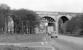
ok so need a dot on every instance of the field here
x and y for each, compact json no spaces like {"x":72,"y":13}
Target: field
{"x":17,"y":38}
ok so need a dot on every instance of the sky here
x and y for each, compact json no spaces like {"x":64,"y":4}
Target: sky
{"x":46,"y":5}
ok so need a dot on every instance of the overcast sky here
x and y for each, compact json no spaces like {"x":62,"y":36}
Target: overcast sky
{"x":47,"y":5}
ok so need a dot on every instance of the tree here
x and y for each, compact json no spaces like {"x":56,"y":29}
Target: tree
{"x":4,"y":12}
{"x":75,"y":25}
{"x":27,"y":19}
{"x":4,"y":6}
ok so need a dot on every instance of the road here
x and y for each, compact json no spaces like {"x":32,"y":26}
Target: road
{"x":59,"y":44}
{"x":53,"y":43}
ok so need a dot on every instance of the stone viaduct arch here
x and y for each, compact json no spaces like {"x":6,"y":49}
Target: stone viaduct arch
{"x":61,"y":19}
{"x":50,"y":23}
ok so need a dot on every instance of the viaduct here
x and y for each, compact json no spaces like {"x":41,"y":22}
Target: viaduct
{"x":56,"y":19}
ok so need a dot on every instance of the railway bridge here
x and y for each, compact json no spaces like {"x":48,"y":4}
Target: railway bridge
{"x":54,"y":20}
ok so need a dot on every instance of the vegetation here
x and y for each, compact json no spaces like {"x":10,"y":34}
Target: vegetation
{"x":4,"y":12}
{"x":74,"y":26}
{"x":24,"y":20}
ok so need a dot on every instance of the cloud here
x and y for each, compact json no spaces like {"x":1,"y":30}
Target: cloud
{"x":47,"y":5}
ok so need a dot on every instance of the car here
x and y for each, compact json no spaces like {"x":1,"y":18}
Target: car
{"x":53,"y":35}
